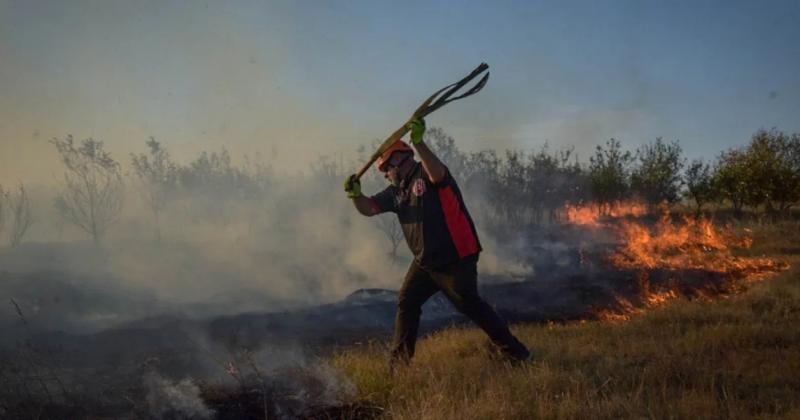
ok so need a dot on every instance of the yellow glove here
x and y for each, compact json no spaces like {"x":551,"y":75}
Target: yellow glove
{"x":352,"y":186}
{"x":417,"y":130}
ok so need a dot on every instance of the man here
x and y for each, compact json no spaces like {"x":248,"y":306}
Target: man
{"x":441,"y":235}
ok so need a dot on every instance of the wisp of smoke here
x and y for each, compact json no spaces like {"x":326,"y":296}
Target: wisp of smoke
{"x":167,"y":399}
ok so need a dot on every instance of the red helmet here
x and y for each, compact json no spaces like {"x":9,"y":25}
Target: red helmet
{"x":398,"y":146}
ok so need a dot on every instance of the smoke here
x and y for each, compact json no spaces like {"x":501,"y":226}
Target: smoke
{"x":166,"y":399}
{"x":292,"y":383}
{"x":259,"y":241}
{"x":276,"y":380}
{"x":584,"y":128}
{"x":294,"y":243}
{"x":503,"y":260}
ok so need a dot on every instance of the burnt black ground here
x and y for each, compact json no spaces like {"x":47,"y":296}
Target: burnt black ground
{"x":51,"y":367}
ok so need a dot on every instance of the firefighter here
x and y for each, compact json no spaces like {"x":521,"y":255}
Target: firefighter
{"x":441,"y":234}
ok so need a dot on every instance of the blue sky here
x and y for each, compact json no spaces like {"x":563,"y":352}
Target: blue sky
{"x":292,"y":79}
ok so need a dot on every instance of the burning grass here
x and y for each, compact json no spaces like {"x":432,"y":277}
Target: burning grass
{"x":718,"y":355}
{"x":688,"y":244}
{"x":673,"y":256}
{"x":593,"y":215}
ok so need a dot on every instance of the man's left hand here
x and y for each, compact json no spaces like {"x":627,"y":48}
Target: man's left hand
{"x":417,"y":128}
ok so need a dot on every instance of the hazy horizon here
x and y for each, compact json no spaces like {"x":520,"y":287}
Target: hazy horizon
{"x":293,"y":80}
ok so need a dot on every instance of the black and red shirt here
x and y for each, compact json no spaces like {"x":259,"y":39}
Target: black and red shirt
{"x":437,"y":226}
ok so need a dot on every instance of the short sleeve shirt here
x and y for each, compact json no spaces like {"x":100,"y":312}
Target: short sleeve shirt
{"x":436,"y":224}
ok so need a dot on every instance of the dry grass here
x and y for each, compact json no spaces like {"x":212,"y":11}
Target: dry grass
{"x":737,"y":357}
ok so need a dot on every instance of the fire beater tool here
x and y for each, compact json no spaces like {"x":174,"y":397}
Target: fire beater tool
{"x":439,"y":98}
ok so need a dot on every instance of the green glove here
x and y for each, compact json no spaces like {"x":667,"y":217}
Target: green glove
{"x":352,"y":186}
{"x":417,"y":130}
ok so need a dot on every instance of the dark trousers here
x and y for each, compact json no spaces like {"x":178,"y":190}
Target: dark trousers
{"x":459,"y":282}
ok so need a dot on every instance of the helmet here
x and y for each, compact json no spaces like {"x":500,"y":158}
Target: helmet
{"x":398,"y":146}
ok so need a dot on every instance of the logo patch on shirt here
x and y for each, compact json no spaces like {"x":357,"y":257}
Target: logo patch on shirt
{"x":419,"y":187}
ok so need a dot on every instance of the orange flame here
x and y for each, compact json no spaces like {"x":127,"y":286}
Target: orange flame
{"x":687,"y":244}
{"x":692,"y":244}
{"x":591,"y":215}
{"x":623,"y":309}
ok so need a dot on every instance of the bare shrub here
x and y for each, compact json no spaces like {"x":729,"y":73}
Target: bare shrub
{"x":18,"y":217}
{"x":390,"y":227}
{"x":158,"y":175}
{"x":92,"y":195}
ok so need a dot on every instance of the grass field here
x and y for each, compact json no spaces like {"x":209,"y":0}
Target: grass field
{"x":735,"y":356}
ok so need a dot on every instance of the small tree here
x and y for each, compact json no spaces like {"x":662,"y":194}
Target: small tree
{"x":699,"y":185}
{"x":158,"y":176}
{"x":481,"y":181}
{"x":731,"y":177}
{"x":552,"y":181}
{"x":791,"y":157}
{"x":773,"y":174}
{"x":512,"y":189}
{"x":92,"y":194}
{"x":444,"y":146}
{"x":390,"y":226}
{"x":657,"y":178}
{"x":765,"y":174}
{"x":609,"y":170}
{"x":18,"y":209}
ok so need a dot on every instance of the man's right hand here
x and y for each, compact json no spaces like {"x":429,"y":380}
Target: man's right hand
{"x":352,"y":186}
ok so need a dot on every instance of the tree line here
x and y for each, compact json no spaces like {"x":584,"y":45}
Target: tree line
{"x":528,"y":188}
{"x":512,"y":190}
{"x":92,"y":193}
